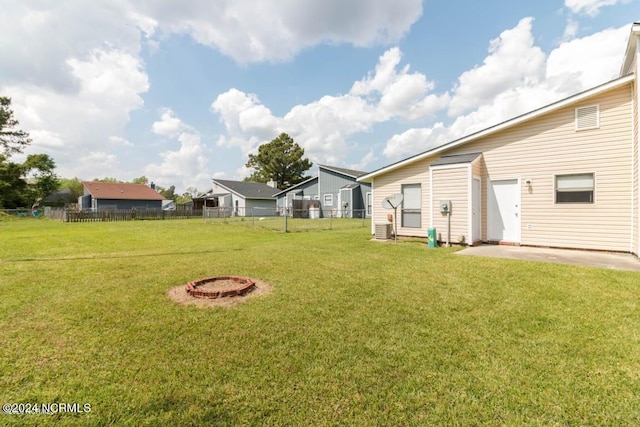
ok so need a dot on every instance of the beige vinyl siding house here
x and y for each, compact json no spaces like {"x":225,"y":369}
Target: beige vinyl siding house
{"x":452,"y":179}
{"x":565,"y":175}
{"x":635,"y":172}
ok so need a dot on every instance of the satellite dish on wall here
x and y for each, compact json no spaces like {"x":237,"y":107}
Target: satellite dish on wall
{"x":392,"y":201}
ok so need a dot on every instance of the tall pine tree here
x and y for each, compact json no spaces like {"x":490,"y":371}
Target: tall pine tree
{"x":281,"y":160}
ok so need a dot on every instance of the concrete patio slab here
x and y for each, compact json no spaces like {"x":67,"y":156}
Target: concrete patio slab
{"x":608,"y":260}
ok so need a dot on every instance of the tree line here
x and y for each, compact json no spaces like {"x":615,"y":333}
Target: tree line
{"x":21,"y":183}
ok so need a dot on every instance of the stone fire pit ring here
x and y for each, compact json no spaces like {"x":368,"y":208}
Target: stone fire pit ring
{"x":220,"y":287}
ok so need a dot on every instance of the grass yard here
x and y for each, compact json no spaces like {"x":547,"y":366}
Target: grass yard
{"x":354,"y":332}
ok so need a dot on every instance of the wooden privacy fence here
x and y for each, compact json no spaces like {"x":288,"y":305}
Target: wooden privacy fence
{"x":129,"y":215}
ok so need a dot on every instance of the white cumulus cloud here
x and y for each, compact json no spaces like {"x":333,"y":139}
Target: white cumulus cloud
{"x":590,"y":7}
{"x":169,"y":124}
{"x":186,"y":166}
{"x":251,"y":31}
{"x":505,"y":86}
{"x":513,"y":60}
{"x":71,"y":124}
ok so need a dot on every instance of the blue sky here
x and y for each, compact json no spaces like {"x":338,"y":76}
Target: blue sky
{"x":182,"y":92}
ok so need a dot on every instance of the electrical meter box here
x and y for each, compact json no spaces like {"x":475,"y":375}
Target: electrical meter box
{"x":445,"y":206}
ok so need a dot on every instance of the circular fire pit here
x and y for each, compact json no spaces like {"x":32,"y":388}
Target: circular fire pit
{"x":220,"y":287}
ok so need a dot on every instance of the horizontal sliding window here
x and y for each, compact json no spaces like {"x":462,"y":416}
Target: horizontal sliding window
{"x":575,"y":188}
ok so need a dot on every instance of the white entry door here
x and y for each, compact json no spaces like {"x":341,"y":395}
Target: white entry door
{"x":475,"y":211}
{"x":503,"y":210}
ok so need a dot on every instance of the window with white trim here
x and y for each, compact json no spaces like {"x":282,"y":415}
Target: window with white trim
{"x":575,"y":188}
{"x":328,"y":200}
{"x":369,"y":204}
{"x":412,"y":206}
{"x":588,"y":117}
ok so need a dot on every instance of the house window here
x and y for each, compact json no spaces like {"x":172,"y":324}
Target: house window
{"x":587,"y":117}
{"x":328,"y":199}
{"x":575,"y":188}
{"x":369,"y":202}
{"x":411,"y":206}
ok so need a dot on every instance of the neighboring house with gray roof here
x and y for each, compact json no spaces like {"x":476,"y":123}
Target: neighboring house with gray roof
{"x":336,"y":189}
{"x":305,"y":190}
{"x":243,"y":198}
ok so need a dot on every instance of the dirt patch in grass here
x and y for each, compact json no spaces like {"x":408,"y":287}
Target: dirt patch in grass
{"x":179,"y":294}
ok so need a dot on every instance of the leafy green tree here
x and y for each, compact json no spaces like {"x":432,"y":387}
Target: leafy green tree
{"x":12,"y":185}
{"x":23,"y":184}
{"x":190,"y":192}
{"x":12,"y":140}
{"x":280,"y":160}
{"x":167,"y":193}
{"x":73,"y":184}
{"x":106,"y":179}
{"x":141,"y":180}
{"x":187,"y":196}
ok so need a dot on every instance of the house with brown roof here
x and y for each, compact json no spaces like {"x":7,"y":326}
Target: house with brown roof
{"x":100,"y":196}
{"x":565,"y":175}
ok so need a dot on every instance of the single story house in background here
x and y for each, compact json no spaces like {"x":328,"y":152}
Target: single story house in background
{"x":242,"y":198}
{"x":59,"y":198}
{"x":337,"y":190}
{"x":203,"y":200}
{"x":565,"y":175}
{"x":292,"y":200}
{"x":99,"y":196}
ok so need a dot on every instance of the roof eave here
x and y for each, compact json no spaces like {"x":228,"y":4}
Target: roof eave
{"x":228,"y":189}
{"x":293,"y":187}
{"x":329,"y":168}
{"x":630,"y":51}
{"x":502,"y":126}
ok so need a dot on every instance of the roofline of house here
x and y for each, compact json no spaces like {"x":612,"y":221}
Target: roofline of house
{"x":502,"y":126}
{"x":100,"y":197}
{"x":629,"y":53}
{"x":337,"y":170}
{"x":226,"y":188}
{"x":240,"y":194}
{"x":293,"y":187}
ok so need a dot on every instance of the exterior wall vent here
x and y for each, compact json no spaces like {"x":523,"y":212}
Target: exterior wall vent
{"x":587,"y":117}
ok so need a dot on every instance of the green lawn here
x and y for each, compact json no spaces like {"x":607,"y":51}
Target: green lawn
{"x":354,"y":332}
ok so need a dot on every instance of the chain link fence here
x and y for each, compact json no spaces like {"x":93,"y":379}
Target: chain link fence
{"x":288,"y":220}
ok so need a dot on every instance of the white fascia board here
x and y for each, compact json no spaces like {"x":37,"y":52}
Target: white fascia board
{"x":502,"y":126}
{"x":232,"y":192}
{"x":293,"y":187}
{"x":451,"y":166}
{"x":629,"y":53}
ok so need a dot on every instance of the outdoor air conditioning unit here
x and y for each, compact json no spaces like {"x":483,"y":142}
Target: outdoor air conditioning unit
{"x":384,"y":231}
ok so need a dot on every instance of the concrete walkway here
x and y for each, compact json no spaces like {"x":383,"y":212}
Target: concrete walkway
{"x":613,"y":261}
